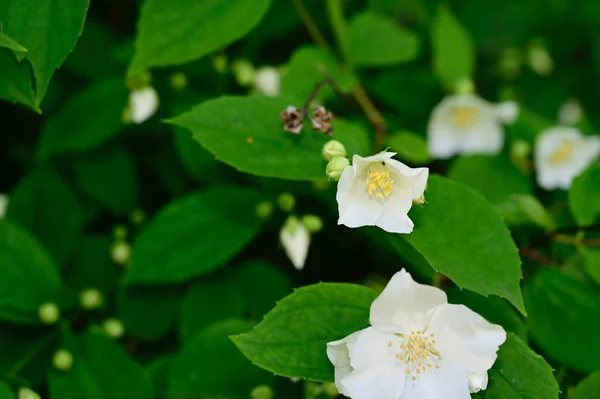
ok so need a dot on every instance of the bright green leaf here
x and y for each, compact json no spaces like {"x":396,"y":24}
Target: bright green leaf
{"x":592,"y":262}
{"x":519,"y":209}
{"x":462,"y":236}
{"x":589,"y":388}
{"x":92,"y":266}
{"x":291,"y":339}
{"x":410,"y":147}
{"x":179,"y":31}
{"x":354,"y":136}
{"x":564,"y":317}
{"x":584,"y":196}
{"x":15,"y":80}
{"x":376,"y":40}
{"x":11,"y":44}
{"x":6,"y":391}
{"x":194,"y":235}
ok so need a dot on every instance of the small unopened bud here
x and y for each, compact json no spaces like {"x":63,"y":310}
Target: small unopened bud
{"x":220,"y":63}
{"x":120,"y":232}
{"x":510,"y":63}
{"x":49,"y":313}
{"x":113,"y":328}
{"x":286,"y":202}
{"x":62,"y":360}
{"x":292,"y":119}
{"x":178,"y":81}
{"x":464,"y":86}
{"x":139,"y":80}
{"x":520,"y":149}
{"x":120,"y":252}
{"x":267,"y":81}
{"x":261,"y":392}
{"x":332,"y":149}
{"x":336,"y":167}
{"x":313,"y":223}
{"x":312,"y":389}
{"x":91,"y":299}
{"x":137,"y":217}
{"x":244,"y":72}
{"x":26,"y":393}
{"x":321,"y":120}
{"x":420,"y":200}
{"x":3,"y":205}
{"x":539,"y":59}
{"x":330,"y":390}
{"x":264,"y":210}
{"x":143,"y":103}
{"x":570,"y":112}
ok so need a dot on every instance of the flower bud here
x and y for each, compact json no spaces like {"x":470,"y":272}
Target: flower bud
{"x":120,"y":252}
{"x":220,"y":63}
{"x":520,"y":149}
{"x":137,"y":217}
{"x":261,"y":392}
{"x":286,"y":202}
{"x":267,"y":81}
{"x":569,"y":113}
{"x":49,"y":313}
{"x":464,"y":86}
{"x":62,"y":360}
{"x":332,"y":149}
{"x":178,"y":81}
{"x":91,"y":299}
{"x":244,"y":72}
{"x":139,"y":80}
{"x":26,"y":393}
{"x":120,"y":232}
{"x":113,"y":328}
{"x":510,"y":63}
{"x":313,"y":223}
{"x":264,"y":210}
{"x":143,"y":103}
{"x":336,"y":167}
{"x":539,"y":59}
{"x":330,"y":390}
{"x":3,"y":205}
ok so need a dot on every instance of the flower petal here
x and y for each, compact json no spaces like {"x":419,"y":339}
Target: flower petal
{"x":485,"y":137}
{"x":143,"y":104}
{"x":338,"y":353}
{"x":295,"y":238}
{"x":405,"y":305}
{"x":466,"y":339}
{"x":355,"y":206}
{"x":361,"y":163}
{"x":381,"y":382}
{"x":394,"y":215}
{"x":449,"y":382}
{"x":415,"y":177}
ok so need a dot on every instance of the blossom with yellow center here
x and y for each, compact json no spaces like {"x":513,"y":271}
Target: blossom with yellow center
{"x":379,"y":191}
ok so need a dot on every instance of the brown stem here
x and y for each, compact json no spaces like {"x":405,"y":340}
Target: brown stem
{"x":536,"y":256}
{"x":564,"y":239}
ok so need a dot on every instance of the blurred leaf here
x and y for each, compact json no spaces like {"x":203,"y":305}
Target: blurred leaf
{"x":15,"y":80}
{"x":376,"y":40}
{"x":462,"y":236}
{"x":495,"y":177}
{"x":584,"y":196}
{"x":410,"y":147}
{"x":46,"y":205}
{"x":332,"y":311}
{"x":28,"y":277}
{"x":453,"y":50}
{"x":6,"y":391}
{"x":209,"y":364}
{"x":588,"y":388}
{"x":591,"y":259}
{"x":354,"y":136}
{"x":49,"y":31}
{"x":101,"y":370}
{"x":92,"y":266}
{"x":183,"y":30}
{"x":519,"y":373}
{"x":246,"y":133}
{"x":158,"y":370}
{"x":197,"y":161}
{"x":11,"y":44}
{"x":90,"y":118}
{"x":261,"y":285}
{"x":194,"y":235}
{"x":111,"y":179}
{"x":527,"y":126}
{"x":209,"y":301}
{"x":564,"y":316}
{"x":519,"y":209}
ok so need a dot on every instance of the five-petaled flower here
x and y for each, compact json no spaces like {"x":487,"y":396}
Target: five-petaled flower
{"x":467,"y":124}
{"x":561,"y":154}
{"x":418,"y":347}
{"x":379,"y":191}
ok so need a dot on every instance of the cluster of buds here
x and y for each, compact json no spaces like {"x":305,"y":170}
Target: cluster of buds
{"x":293,"y":120}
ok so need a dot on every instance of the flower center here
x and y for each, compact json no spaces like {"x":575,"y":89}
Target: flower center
{"x":418,"y":353}
{"x":563,"y":153}
{"x":379,"y":181}
{"x":463,"y":117}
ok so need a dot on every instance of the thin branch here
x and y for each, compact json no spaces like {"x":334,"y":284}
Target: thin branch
{"x":33,"y":352}
{"x":311,"y":26}
{"x":536,"y":256}
{"x":576,"y":241}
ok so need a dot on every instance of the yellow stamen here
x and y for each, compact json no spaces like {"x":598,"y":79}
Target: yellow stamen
{"x":379,"y":181}
{"x":463,"y":117}
{"x":563,"y":153}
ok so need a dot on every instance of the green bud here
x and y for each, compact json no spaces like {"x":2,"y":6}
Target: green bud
{"x":291,"y":224}
{"x":139,"y":80}
{"x":178,"y":81}
{"x":262,"y":392}
{"x":62,"y":360}
{"x":286,"y":202}
{"x":336,"y":167}
{"x":126,"y":115}
{"x":120,"y":232}
{"x":312,"y":389}
{"x":26,"y":393}
{"x":520,"y":149}
{"x":330,"y":389}
{"x":220,"y":63}
{"x":264,"y":210}
{"x":510,"y":63}
{"x":91,"y":299}
{"x":120,"y":252}
{"x":113,"y":328}
{"x":244,"y":72}
{"x":49,"y":313}
{"x":332,"y":149}
{"x":539,"y":58}
{"x":464,"y":86}
{"x":313,"y":223}
{"x":137,"y":217}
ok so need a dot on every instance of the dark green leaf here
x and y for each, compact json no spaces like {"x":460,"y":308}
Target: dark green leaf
{"x":15,"y":80}
{"x":198,"y":162}
{"x":92,"y":266}
{"x":589,"y":388}
{"x":410,"y":147}
{"x":6,"y":391}
{"x":11,"y":44}
{"x":584,"y":196}
{"x":519,"y":209}
{"x":592,"y":263}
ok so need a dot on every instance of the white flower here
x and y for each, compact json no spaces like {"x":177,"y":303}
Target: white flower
{"x":3,"y":205}
{"x":379,"y":191}
{"x":295,"y":238}
{"x":467,"y":124}
{"x":418,"y":347}
{"x":267,"y":81}
{"x":561,"y":154}
{"x":143,"y":103}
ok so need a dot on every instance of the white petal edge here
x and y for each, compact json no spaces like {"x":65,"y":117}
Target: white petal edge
{"x":143,"y":103}
{"x":296,"y":244}
{"x":338,"y":353}
{"x":416,"y":177}
{"x":449,"y":382}
{"x":355,"y":207}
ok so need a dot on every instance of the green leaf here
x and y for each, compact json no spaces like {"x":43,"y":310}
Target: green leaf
{"x":15,"y":80}
{"x":462,"y":236}
{"x":6,"y":391}
{"x":410,"y":147}
{"x":194,"y":235}
{"x":453,"y":49}
{"x":28,"y":277}
{"x":46,"y":205}
{"x":92,"y":266}
{"x":209,"y":365}
{"x":519,"y":373}
{"x":179,"y":31}
{"x":564,"y":317}
{"x":48,"y":30}
{"x":101,"y":370}
{"x":291,"y":339}
{"x":584,"y":196}
{"x":592,"y":262}
{"x":246,"y":133}
{"x":519,"y":209}
{"x":86,"y":121}
{"x":495,"y":177}
{"x":197,"y":162}
{"x":11,"y":44}
{"x":110,"y":179}
{"x":209,"y":301}
{"x":376,"y":40}
{"x":588,"y":388}
{"x":354,"y":136}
